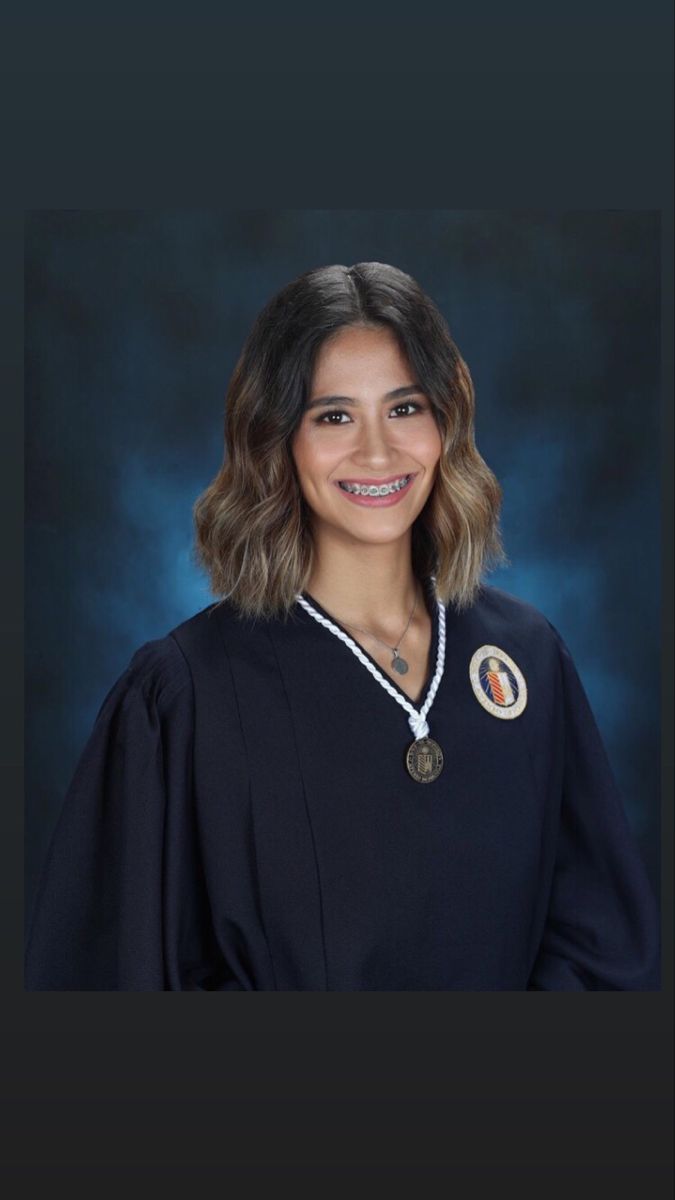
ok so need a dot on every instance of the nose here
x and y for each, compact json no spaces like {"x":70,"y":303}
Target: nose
{"x":374,"y":442}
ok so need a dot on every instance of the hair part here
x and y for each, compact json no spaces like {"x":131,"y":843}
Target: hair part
{"x":252,"y":523}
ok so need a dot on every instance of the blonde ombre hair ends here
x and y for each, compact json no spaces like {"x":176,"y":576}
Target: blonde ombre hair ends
{"x":252,"y":523}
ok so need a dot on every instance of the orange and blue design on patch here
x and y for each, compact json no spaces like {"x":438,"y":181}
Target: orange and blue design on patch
{"x":498,"y":683}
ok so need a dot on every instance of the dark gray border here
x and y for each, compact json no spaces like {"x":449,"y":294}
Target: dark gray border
{"x":435,"y":1078}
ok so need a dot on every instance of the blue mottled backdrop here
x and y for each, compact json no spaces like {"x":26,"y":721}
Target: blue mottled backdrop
{"x":134,"y":322}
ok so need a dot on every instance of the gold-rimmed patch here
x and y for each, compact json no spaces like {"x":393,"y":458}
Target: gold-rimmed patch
{"x":498,"y":683}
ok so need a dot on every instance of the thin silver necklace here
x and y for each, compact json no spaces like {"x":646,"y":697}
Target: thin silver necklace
{"x":398,"y":663}
{"x":424,"y":757}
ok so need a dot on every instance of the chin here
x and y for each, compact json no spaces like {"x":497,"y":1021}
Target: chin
{"x":377,"y":537}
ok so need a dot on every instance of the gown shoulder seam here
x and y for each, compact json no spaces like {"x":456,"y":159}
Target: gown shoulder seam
{"x":152,"y":664}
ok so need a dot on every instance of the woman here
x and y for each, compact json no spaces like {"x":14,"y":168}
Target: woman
{"x":361,"y":768}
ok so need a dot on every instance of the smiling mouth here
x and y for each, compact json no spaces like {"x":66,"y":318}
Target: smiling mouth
{"x":391,"y":487}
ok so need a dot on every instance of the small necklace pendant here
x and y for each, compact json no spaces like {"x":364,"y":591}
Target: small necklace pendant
{"x":424,"y":760}
{"x":399,"y":664}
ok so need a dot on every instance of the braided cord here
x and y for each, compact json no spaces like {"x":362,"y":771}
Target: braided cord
{"x":416,"y":720}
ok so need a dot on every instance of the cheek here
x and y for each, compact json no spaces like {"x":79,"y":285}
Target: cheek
{"x":427,"y":446}
{"x":313,"y":456}
{"x":300,"y":451}
{"x":436,"y":439}
{"x":307,"y":460}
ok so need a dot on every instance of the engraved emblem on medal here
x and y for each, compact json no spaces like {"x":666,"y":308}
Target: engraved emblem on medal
{"x":424,"y":757}
{"x":424,"y":760}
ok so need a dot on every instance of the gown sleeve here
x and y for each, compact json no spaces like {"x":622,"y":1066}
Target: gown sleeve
{"x":122,"y":903}
{"x":601,"y":929}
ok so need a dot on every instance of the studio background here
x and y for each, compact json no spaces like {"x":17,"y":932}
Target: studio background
{"x":134,"y":322}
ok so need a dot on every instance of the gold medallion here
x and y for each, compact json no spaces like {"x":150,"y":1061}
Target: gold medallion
{"x":424,"y":760}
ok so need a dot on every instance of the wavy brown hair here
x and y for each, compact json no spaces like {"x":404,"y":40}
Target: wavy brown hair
{"x":253,"y":531}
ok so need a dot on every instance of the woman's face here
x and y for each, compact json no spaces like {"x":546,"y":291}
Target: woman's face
{"x":366,"y":423}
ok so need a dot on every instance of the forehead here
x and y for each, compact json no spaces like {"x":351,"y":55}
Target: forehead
{"x":354,"y":354}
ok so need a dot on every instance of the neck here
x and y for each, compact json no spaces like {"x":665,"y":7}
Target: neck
{"x":366,"y":585}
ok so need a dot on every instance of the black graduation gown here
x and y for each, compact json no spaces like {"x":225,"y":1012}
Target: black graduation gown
{"x":241,"y":818}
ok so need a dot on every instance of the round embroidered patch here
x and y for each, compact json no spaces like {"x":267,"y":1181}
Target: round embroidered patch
{"x":498,"y":684}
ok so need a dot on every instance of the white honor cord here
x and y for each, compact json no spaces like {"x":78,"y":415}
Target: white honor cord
{"x":416,"y":720}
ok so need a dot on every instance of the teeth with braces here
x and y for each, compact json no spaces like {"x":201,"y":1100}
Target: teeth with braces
{"x":384,"y":489}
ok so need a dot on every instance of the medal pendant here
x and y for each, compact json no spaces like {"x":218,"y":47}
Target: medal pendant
{"x":399,"y":664}
{"x":424,"y":760}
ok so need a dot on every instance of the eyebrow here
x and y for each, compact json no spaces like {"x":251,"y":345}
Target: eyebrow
{"x":397,"y":394}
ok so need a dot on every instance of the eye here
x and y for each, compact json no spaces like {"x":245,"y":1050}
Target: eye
{"x":409,"y":404}
{"x":335,"y":412}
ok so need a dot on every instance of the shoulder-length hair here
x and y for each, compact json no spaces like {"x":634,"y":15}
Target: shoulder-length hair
{"x":253,"y":532}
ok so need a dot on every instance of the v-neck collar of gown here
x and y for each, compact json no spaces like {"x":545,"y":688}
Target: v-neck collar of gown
{"x":432,"y":608}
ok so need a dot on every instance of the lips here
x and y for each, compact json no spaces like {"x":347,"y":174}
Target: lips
{"x":375,"y":487}
{"x":370,"y":497}
{"x":377,"y":482}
